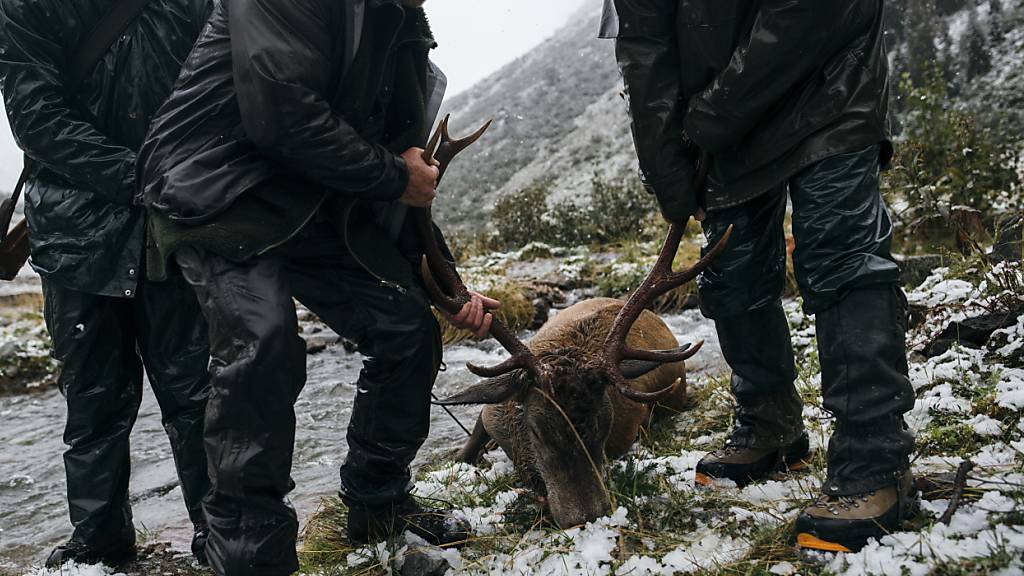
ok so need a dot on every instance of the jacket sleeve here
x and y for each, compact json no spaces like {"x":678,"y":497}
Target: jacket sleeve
{"x":648,"y":58}
{"x":789,"y":41}
{"x":282,"y":50}
{"x":46,"y":124}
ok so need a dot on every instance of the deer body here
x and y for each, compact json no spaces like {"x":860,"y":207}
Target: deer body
{"x":531,"y":433}
{"x":586,"y":383}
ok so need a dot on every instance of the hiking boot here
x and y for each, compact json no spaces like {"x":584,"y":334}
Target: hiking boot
{"x":113,"y":556}
{"x":436,"y":526}
{"x":199,"y":538}
{"x":846,"y":523}
{"x":744,"y":465}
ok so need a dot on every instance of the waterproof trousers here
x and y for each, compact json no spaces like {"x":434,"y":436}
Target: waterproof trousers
{"x":258,"y":368}
{"x":850,"y":281}
{"x":103,"y":344}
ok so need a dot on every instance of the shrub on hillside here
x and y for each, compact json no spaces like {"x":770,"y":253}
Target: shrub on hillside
{"x":946,"y":159}
{"x":617,"y":212}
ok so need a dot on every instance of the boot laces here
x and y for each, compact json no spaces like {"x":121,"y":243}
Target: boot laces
{"x":834,"y":503}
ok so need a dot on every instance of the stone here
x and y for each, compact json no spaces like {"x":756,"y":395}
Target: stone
{"x":1009,"y":244}
{"x":424,"y":560}
{"x":916,"y":268}
{"x":971,"y":333}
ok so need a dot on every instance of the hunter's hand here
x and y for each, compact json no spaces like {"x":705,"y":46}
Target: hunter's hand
{"x":420,"y":191}
{"x":474,"y":316}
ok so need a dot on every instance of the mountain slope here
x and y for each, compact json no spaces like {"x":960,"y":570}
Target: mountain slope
{"x":557,"y":114}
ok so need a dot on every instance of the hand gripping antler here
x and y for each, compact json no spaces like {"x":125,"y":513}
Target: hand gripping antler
{"x":440,"y":277}
{"x":660,"y":280}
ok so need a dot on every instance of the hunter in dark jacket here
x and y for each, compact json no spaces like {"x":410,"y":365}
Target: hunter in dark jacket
{"x":787,"y":97}
{"x":106,"y":321}
{"x":281,"y":167}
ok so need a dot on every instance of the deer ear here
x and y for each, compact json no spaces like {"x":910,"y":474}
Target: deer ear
{"x":490,"y":391}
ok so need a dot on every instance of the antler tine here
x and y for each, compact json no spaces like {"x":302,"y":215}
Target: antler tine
{"x":435,"y":139}
{"x":677,"y":279}
{"x":660,"y":280}
{"x":449,"y":148}
{"x":647,"y":397}
{"x":512,"y":364}
{"x":440,"y":277}
{"x":663,"y":356}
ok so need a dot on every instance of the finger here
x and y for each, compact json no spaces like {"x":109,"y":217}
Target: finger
{"x":490,"y":303}
{"x":485,"y":326}
{"x":464,"y":313}
{"x":478,"y":314}
{"x":435,"y":162}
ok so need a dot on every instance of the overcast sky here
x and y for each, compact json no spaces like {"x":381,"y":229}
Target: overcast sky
{"x":476,"y":38}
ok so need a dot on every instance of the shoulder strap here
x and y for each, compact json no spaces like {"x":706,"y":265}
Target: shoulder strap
{"x":110,"y":26}
{"x":103,"y":35}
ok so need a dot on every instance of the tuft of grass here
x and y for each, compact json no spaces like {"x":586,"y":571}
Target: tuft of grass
{"x":516,"y":312}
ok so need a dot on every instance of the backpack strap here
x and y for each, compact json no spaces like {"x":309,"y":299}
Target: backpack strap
{"x":107,"y":30}
{"x":102,"y":36}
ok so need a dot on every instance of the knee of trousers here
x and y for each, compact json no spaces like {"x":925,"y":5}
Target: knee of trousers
{"x":749,"y":275}
{"x":410,"y":332}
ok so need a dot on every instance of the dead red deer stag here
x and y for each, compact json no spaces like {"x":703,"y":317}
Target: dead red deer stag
{"x":586,"y":383}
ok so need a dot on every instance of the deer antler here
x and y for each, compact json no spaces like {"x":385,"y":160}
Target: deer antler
{"x":660,"y":280}
{"x":443,"y":282}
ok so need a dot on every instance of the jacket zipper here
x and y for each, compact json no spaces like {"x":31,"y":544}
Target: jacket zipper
{"x":297,"y":230}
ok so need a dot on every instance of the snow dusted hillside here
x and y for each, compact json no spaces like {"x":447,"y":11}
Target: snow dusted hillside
{"x":557,"y":114}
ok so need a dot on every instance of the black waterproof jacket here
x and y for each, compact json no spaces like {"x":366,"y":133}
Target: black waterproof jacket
{"x":254,"y":102}
{"x":276,"y":114}
{"x":85,"y":233}
{"x":767,"y":87}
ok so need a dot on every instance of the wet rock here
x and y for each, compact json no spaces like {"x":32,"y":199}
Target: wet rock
{"x":543,"y":298}
{"x":971,"y":333}
{"x":545,"y":270}
{"x":424,"y":560}
{"x":916,"y":268}
{"x":1009,"y":244}
{"x":7,"y":351}
{"x":315,"y":346}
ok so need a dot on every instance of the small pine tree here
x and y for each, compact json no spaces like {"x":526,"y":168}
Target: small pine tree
{"x":949,"y":63}
{"x":921,"y":32}
{"x":977,"y":60}
{"x":996,"y":30}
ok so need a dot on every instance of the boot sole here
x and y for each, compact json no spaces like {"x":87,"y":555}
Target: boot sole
{"x":812,"y":542}
{"x":710,"y":482}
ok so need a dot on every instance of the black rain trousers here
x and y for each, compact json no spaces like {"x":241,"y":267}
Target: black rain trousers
{"x":258,"y":369}
{"x":103,"y":344}
{"x":850,"y":281}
